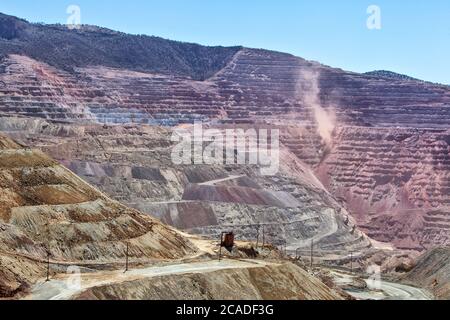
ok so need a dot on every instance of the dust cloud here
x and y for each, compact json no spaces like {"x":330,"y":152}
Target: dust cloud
{"x":308,"y":92}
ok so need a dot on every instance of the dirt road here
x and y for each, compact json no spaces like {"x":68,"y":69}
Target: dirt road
{"x":393,"y":291}
{"x":382,"y":290}
{"x":63,"y":287}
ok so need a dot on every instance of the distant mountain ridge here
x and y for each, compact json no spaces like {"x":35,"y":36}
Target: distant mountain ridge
{"x":66,"y":49}
{"x":57,"y":45}
{"x":391,"y":75}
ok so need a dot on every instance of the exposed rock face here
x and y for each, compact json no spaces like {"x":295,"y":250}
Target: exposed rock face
{"x":379,"y":141}
{"x":285,"y":282}
{"x":255,"y":85}
{"x":432,"y":271}
{"x":46,"y":209}
{"x":397,"y":187}
{"x":133,"y":164}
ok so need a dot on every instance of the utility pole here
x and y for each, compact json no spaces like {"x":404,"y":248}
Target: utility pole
{"x":283,"y":248}
{"x":48,"y":251}
{"x":351,"y":262}
{"x":264,"y":237}
{"x":126,"y":261}
{"x":48,"y":266}
{"x":257,"y":236}
{"x":311,"y":254}
{"x":220,"y":245}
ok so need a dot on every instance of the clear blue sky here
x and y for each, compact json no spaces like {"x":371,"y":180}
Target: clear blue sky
{"x":414,"y":39}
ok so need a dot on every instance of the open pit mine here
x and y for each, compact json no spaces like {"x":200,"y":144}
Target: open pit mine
{"x":87,"y":178}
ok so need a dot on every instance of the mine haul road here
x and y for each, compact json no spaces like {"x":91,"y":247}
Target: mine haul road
{"x":384,"y":290}
{"x":394,"y":291}
{"x":64,"y":287}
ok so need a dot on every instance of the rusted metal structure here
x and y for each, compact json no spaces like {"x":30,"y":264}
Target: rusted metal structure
{"x":226,"y":241}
